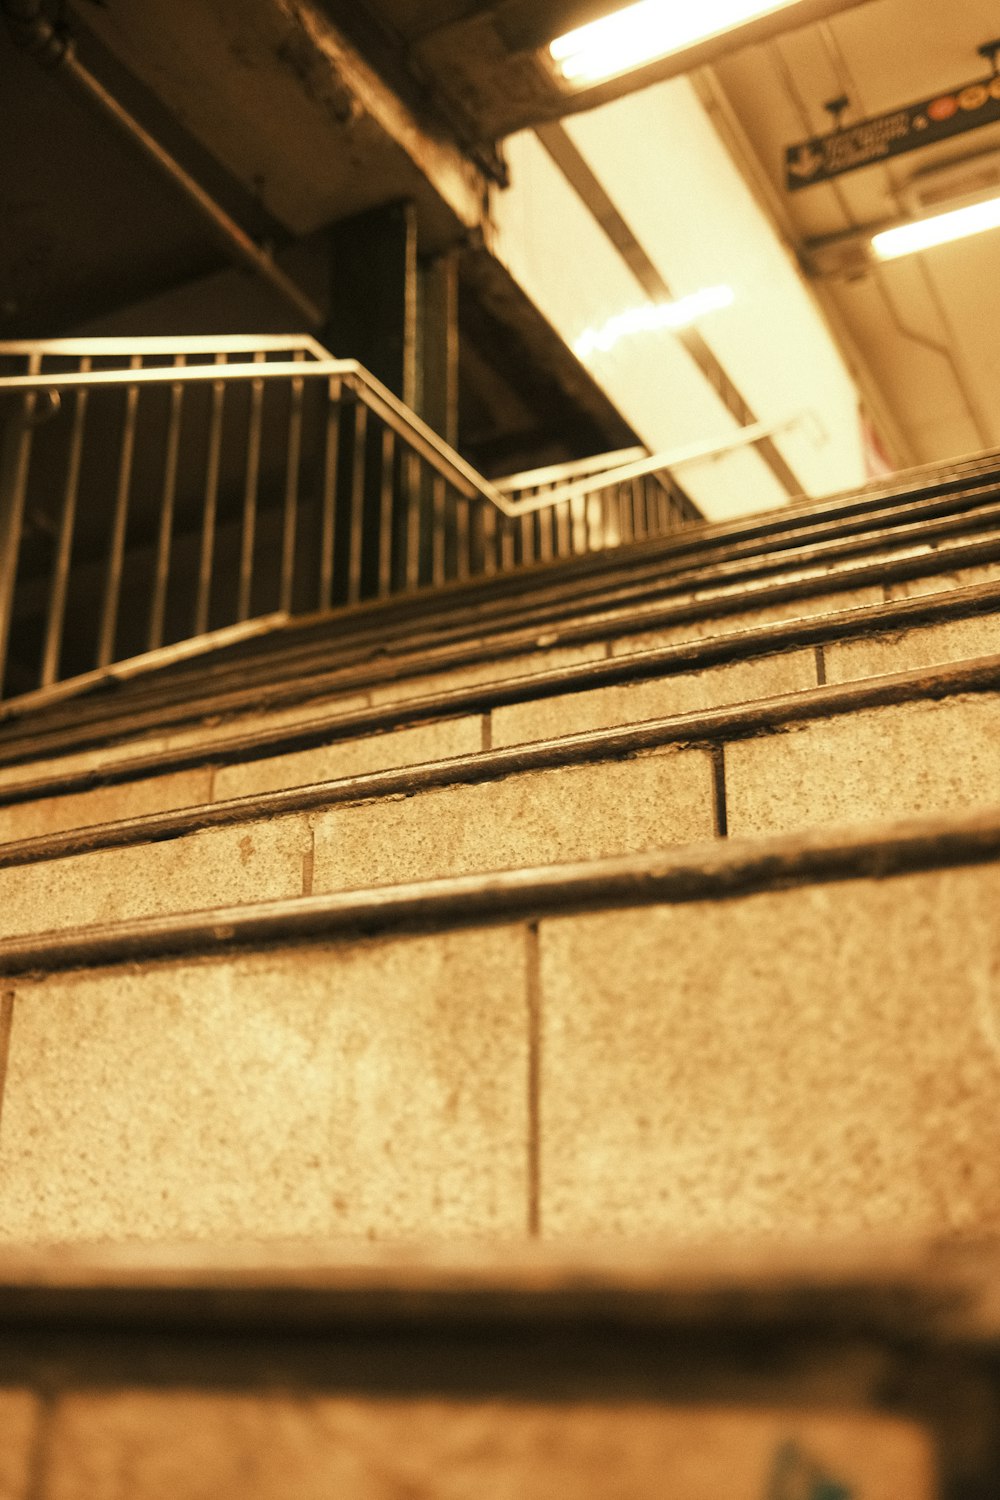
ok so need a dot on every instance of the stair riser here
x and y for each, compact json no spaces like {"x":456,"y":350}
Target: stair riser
{"x":747,"y":680}
{"x":869,"y":765}
{"x":802,"y":1060}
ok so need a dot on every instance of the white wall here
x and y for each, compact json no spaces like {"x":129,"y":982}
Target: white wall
{"x":659,"y":159}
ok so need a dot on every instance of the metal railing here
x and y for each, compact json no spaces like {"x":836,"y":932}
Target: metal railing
{"x":157,"y":491}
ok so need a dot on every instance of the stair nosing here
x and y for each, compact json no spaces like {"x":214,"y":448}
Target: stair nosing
{"x":719,"y":870}
{"x":700,"y":729}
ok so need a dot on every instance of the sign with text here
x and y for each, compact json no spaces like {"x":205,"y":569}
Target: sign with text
{"x":892,"y":134}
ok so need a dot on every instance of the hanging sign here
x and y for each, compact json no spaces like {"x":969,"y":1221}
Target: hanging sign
{"x":947,"y":114}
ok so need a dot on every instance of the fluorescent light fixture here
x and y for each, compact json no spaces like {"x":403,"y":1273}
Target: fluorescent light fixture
{"x":646,"y":32}
{"x":649,"y":316}
{"x":920,"y":234}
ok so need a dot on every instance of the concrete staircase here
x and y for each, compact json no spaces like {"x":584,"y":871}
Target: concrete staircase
{"x":653,"y":894}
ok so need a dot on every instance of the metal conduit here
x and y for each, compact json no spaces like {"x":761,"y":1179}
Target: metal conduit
{"x":52,"y":47}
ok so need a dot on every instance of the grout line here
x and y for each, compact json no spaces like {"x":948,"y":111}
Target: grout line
{"x":718,"y":754}
{"x":211,"y":783}
{"x":820,"y":667}
{"x":6,"y":1022}
{"x":533,"y":988}
{"x":887,"y":593}
{"x":488,"y":730}
{"x":309,"y":863}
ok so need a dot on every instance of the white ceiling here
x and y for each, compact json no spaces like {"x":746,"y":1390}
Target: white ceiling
{"x":923,"y":333}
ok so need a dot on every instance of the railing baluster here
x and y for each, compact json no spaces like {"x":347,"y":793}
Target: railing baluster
{"x":211,"y":504}
{"x":491,"y":555}
{"x":508,"y":533}
{"x":158,"y":608}
{"x":528,"y":537}
{"x":564,"y":544}
{"x":463,"y":540}
{"x":357,"y":503}
{"x":111,"y":604}
{"x":59,"y":587}
{"x":437,"y":528}
{"x":15,"y":460}
{"x":385,"y":527}
{"x":296,"y":398}
{"x":412,"y":470}
{"x":328,"y":523}
{"x":578,"y":523}
{"x":546,"y":530}
{"x":624,"y":514}
{"x":248,"y":535}
{"x":639,"y":526}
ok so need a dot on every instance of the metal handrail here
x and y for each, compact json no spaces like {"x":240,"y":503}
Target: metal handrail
{"x":575,"y":468}
{"x":406,"y":424}
{"x":656,"y":463}
{"x":392,"y":507}
{"x":224,"y":343}
{"x":450,"y":464}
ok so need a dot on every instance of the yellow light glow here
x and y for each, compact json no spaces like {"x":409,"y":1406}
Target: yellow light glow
{"x":921,"y":234}
{"x":646,"y":32}
{"x":649,"y":316}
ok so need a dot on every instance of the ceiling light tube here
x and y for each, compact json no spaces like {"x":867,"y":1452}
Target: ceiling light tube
{"x":649,"y":316}
{"x":647,"y":32}
{"x":940,"y":229}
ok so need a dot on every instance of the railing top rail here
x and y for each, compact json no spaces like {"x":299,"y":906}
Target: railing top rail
{"x":378,"y":397}
{"x":576,"y":468}
{"x":229,"y":343}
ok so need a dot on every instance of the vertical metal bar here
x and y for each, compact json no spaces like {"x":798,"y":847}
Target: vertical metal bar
{"x":578,"y":523}
{"x":357,"y":503}
{"x":508,"y":532}
{"x":624,"y":515}
{"x":563,"y":538}
{"x":463,"y":539}
{"x":491,"y":558}
{"x":639,"y":528}
{"x":59,"y":587}
{"x":296,"y":397}
{"x":546,"y":535}
{"x":248,"y":535}
{"x":328,"y":523}
{"x":528,"y":537}
{"x":158,"y":607}
{"x":438,"y":498}
{"x":412,"y":470}
{"x":15,"y":460}
{"x":385,"y":536}
{"x":116,"y":550}
{"x":610,"y":526}
{"x":211,"y":505}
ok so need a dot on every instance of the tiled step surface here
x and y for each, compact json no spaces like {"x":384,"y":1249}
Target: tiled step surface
{"x":286,"y":673}
{"x":662,"y":681}
{"x":735,"y":1039}
{"x":859,"y":757}
{"x":601,"y":1373}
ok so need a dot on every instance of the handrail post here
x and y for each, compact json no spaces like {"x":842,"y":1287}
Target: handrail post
{"x":15,"y":458}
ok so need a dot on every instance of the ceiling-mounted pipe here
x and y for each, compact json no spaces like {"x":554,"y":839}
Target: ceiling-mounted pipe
{"x":52,"y":46}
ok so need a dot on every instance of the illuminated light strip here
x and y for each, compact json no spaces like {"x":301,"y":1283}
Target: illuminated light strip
{"x":648,"y":31}
{"x":921,"y":234}
{"x":650,"y":316}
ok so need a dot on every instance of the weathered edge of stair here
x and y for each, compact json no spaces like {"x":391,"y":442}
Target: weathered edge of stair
{"x":700,"y":872}
{"x":755,"y":642}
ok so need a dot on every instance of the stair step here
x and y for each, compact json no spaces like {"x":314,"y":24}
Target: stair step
{"x":738,"y":1369}
{"x":739,"y":1037}
{"x":893,"y":747}
{"x":289,"y":671}
{"x":770,"y":660}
